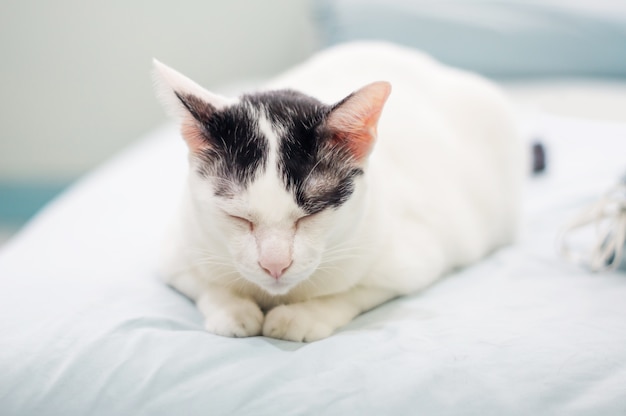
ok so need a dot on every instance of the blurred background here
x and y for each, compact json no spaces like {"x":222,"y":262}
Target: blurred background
{"x":76,"y":82}
{"x":76,"y":87}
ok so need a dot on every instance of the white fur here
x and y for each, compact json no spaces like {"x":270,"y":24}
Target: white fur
{"x":167,"y":80}
{"x":440,"y":191}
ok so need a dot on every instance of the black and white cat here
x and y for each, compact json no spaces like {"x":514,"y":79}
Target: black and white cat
{"x":300,"y":213}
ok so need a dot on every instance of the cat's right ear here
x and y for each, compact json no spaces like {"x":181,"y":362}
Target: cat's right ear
{"x":187,"y":101}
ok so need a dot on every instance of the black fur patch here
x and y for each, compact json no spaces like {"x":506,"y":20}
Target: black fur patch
{"x":237,"y":151}
{"x":319,"y":173}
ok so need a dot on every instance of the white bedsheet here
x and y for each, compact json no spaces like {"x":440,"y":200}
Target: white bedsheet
{"x":87,"y":328}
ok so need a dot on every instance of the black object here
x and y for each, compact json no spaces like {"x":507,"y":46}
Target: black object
{"x":539,"y":158}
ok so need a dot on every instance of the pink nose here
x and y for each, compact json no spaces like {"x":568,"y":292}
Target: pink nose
{"x":275,"y":267}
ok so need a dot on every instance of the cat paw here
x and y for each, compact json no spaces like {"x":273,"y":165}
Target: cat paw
{"x":295,"y":322}
{"x":244,"y":319}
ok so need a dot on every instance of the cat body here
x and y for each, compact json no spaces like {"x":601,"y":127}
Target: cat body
{"x":326,"y":194}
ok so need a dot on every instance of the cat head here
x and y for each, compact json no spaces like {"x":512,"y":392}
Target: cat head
{"x":277,"y":176}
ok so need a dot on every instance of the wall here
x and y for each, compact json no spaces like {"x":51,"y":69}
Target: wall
{"x":75,"y":75}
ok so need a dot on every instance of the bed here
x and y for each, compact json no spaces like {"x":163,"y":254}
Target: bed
{"x":87,"y":327}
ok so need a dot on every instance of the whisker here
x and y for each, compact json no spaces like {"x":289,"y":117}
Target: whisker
{"x":313,"y":283}
{"x":345,"y":252}
{"x":231,"y":273}
{"x":338,"y":258}
{"x":202,"y":262}
{"x":237,"y":284}
{"x":207,"y":253}
{"x":328,"y":268}
{"x":345,"y":247}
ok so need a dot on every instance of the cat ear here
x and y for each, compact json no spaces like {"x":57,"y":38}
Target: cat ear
{"x":353,"y":120}
{"x":187,"y":101}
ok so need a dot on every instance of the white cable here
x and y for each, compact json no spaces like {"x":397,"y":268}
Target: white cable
{"x":608,"y":216}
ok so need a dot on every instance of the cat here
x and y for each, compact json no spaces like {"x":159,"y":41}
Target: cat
{"x":326,"y":194}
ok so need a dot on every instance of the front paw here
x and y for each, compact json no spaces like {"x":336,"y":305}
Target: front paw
{"x":296,"y":322}
{"x":243,"y":319}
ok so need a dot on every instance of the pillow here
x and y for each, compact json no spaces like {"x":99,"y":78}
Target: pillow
{"x":503,"y":38}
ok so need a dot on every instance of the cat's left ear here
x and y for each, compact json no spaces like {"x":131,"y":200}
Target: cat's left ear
{"x":187,"y":101}
{"x":354,"y":120}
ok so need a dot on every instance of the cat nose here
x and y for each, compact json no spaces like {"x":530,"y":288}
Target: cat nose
{"x":275,"y":267}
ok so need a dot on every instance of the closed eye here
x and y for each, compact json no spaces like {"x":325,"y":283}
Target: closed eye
{"x":306,"y":218}
{"x":242,"y":221}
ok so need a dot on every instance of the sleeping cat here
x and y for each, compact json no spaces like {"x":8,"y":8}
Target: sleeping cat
{"x":327,"y":194}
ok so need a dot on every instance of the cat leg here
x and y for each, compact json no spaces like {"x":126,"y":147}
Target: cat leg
{"x":318,"y":318}
{"x":229,"y":314}
{"x":225,"y":312}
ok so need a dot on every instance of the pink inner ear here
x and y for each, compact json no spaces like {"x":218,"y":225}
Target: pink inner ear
{"x":355,"y":120}
{"x":190,"y":131}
